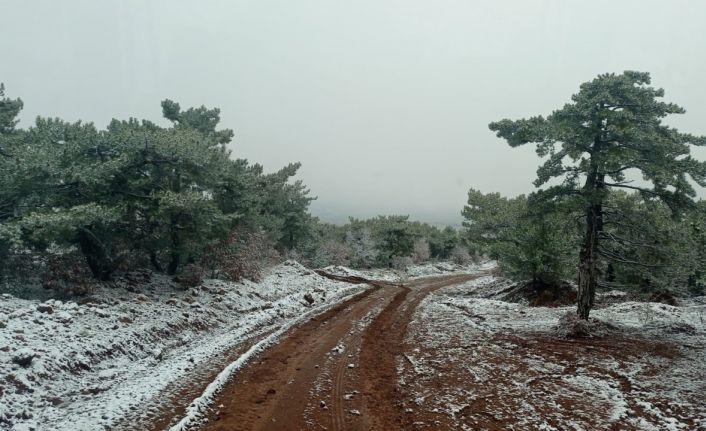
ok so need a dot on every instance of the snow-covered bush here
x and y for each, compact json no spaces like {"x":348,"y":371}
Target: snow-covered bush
{"x":421,"y":252}
{"x":402,"y":262}
{"x":363,"y":250}
{"x":331,"y":253}
{"x":460,"y":256}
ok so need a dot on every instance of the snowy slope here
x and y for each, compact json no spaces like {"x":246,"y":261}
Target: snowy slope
{"x":69,"y":366}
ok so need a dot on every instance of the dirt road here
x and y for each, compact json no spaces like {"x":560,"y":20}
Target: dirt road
{"x":337,"y":371}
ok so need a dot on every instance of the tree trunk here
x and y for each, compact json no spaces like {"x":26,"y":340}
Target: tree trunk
{"x":155,"y":262}
{"x":175,"y":260}
{"x":174,"y":263}
{"x":588,"y":256}
{"x":97,"y":256}
{"x":588,"y":260}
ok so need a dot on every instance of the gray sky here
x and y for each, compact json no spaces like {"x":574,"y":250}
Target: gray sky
{"x":386,"y":103}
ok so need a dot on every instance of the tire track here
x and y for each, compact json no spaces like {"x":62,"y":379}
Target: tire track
{"x":274,"y":391}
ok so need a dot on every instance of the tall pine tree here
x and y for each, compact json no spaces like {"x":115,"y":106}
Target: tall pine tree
{"x":613,"y":125}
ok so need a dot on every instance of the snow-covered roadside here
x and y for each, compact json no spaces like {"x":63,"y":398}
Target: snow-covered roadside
{"x":632,"y":317}
{"x":66,"y":366}
{"x":414,"y":271}
{"x":496,"y":364}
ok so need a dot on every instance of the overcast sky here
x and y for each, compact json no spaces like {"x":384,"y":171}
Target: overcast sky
{"x":385,"y":103}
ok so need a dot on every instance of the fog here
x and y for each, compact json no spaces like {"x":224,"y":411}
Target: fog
{"x":385,"y":103}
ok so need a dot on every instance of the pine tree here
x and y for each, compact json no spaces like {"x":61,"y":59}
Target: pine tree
{"x":613,"y":125}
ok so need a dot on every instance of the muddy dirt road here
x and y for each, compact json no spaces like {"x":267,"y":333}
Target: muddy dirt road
{"x":335,"y":372}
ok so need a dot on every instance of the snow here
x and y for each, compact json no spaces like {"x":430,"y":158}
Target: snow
{"x":89,"y":366}
{"x":648,"y":373}
{"x":414,"y":271}
{"x":95,"y":364}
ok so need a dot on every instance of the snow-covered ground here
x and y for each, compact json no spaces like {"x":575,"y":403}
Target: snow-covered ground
{"x":473,"y":360}
{"x":421,"y":270}
{"x":70,"y":366}
{"x":480,"y":363}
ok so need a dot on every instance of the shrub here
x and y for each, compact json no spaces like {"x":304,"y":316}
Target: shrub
{"x":190,"y":276}
{"x":241,"y":256}
{"x":402,"y":262}
{"x":460,"y":256}
{"x":67,"y":274}
{"x":421,"y":251}
{"x":331,"y":253}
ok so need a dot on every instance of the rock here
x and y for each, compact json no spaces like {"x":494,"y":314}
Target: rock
{"x":2,"y":324}
{"x":158,"y":354}
{"x":354,"y":412}
{"x":45,"y":308}
{"x":323,"y":405}
{"x":19,"y":313}
{"x":308,"y":298}
{"x":24,"y":357}
{"x":142,"y":298}
{"x":125,"y":319}
{"x":64,"y":316}
{"x":101,"y":312}
{"x":351,"y":365}
{"x":348,"y":397}
{"x":55,"y":401}
{"x":171,"y":301}
{"x":89,"y":300}
{"x":267,"y":306}
{"x":130,"y":287}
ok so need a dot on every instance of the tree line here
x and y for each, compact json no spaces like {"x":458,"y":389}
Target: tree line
{"x":615,"y":204}
{"x":386,"y":242}
{"x":78,"y":202}
{"x":136,"y":194}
